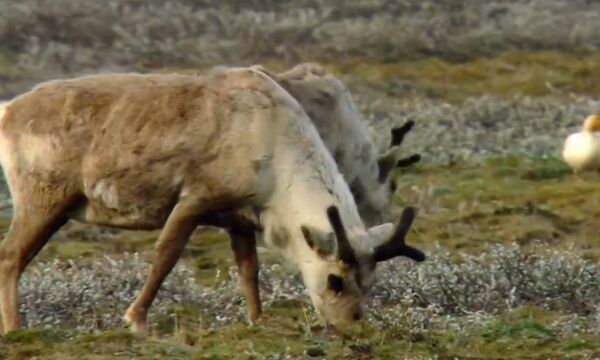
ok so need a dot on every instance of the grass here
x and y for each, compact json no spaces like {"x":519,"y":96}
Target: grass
{"x":8,"y":65}
{"x":509,"y":74}
{"x":504,"y":200}
{"x":462,"y":208}
{"x":275,"y":338}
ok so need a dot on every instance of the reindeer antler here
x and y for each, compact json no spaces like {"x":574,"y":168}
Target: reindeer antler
{"x":408,"y":161}
{"x":398,"y":133}
{"x":396,"y":246}
{"x":388,"y":160}
{"x":345,"y":252}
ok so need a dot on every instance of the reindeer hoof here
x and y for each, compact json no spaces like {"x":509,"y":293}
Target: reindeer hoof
{"x":136,"y":321}
{"x":254,"y":317}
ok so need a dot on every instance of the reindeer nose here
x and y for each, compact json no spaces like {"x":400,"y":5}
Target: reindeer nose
{"x":357,"y":316}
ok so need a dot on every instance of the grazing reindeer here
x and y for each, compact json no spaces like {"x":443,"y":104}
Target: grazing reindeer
{"x":331,"y":109}
{"x":330,"y":106}
{"x":165,"y":151}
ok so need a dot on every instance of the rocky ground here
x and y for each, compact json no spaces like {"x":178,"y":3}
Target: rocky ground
{"x":493,"y":86}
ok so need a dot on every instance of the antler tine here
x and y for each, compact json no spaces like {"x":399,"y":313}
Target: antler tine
{"x":398,"y":133}
{"x":396,"y":246}
{"x":408,"y":161}
{"x":345,"y":251}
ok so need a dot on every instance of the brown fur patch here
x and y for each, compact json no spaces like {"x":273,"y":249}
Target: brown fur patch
{"x":137,"y":140}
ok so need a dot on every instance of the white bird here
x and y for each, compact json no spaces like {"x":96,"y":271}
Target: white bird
{"x":581,"y":150}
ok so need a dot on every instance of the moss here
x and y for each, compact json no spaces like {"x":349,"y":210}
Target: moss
{"x":547,"y":169}
{"x":28,"y":352}
{"x":462,"y":207}
{"x":579,"y":344}
{"x":502,"y":200}
{"x":8,"y":65}
{"x":524,"y":329}
{"x":132,"y":242}
{"x":72,"y":249}
{"x":211,"y":254}
{"x":522,"y":333}
{"x":30,"y":336}
{"x":123,"y":335}
{"x":512,"y":73}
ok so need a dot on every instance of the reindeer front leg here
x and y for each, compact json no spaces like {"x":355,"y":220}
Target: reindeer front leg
{"x":243,"y":244}
{"x":174,"y":236}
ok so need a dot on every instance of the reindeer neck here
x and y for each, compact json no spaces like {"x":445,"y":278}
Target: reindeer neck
{"x":307,"y":183}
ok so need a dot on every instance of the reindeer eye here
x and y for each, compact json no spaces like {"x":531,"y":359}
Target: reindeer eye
{"x":335,"y":283}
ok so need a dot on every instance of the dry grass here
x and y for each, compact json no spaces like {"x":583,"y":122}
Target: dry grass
{"x":508,"y":75}
{"x":475,"y":296}
{"x":479,"y":78}
{"x":40,"y":39}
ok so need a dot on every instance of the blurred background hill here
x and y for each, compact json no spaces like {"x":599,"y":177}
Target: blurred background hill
{"x":493,"y":86}
{"x":46,"y":38}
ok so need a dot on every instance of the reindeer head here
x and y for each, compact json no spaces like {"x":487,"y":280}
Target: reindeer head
{"x":344,"y":274}
{"x":374,"y":192}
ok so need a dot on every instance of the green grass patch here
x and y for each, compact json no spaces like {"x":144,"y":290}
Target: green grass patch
{"x":523,"y":329}
{"x":522,"y":333}
{"x":503,"y":200}
{"x":579,"y":344}
{"x":461,"y":207}
{"x":8,"y":65}
{"x":513,"y":73}
{"x":509,"y":74}
{"x":45,"y":336}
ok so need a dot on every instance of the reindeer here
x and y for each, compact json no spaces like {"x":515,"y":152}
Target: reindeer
{"x":165,"y":151}
{"x":331,"y":108}
{"x":329,"y":104}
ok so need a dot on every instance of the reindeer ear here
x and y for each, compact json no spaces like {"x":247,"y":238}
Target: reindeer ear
{"x":396,"y":245}
{"x":321,"y":242}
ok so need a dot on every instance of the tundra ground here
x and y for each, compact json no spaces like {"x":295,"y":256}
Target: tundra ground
{"x":513,"y":273}
{"x":494,"y":87}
